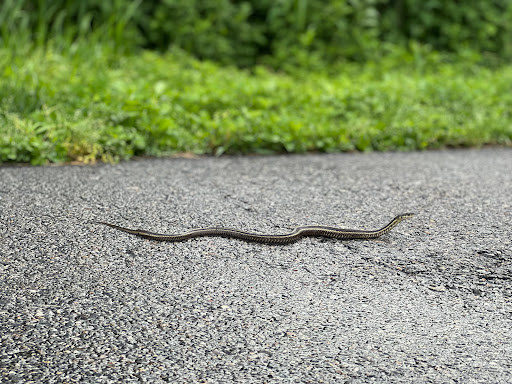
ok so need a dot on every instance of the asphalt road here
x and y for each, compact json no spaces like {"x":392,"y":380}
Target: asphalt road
{"x":429,"y":302}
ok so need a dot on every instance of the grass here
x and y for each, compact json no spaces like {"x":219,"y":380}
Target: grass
{"x":90,"y":104}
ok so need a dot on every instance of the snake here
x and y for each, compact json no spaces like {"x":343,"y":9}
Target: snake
{"x":280,"y":239}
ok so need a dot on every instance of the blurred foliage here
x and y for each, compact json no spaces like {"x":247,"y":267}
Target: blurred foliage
{"x":87,"y":80}
{"x":275,"y":32}
{"x":97,"y":104}
{"x":454,"y":26}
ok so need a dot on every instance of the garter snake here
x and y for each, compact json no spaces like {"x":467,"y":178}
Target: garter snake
{"x":287,"y":238}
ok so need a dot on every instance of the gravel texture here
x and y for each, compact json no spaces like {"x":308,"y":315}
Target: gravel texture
{"x":429,"y":302}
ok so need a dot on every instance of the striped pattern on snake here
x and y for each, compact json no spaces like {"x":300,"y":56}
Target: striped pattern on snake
{"x":287,"y":238}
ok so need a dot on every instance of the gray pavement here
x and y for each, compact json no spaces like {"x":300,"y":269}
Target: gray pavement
{"x":429,"y":302}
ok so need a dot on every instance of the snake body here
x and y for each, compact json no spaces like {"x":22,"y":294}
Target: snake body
{"x":295,"y":235}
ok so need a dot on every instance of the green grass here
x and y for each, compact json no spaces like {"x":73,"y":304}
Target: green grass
{"x":90,"y":104}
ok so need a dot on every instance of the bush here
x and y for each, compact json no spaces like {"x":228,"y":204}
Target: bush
{"x":276,"y":32}
{"x":453,"y":26}
{"x":210,"y":29}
